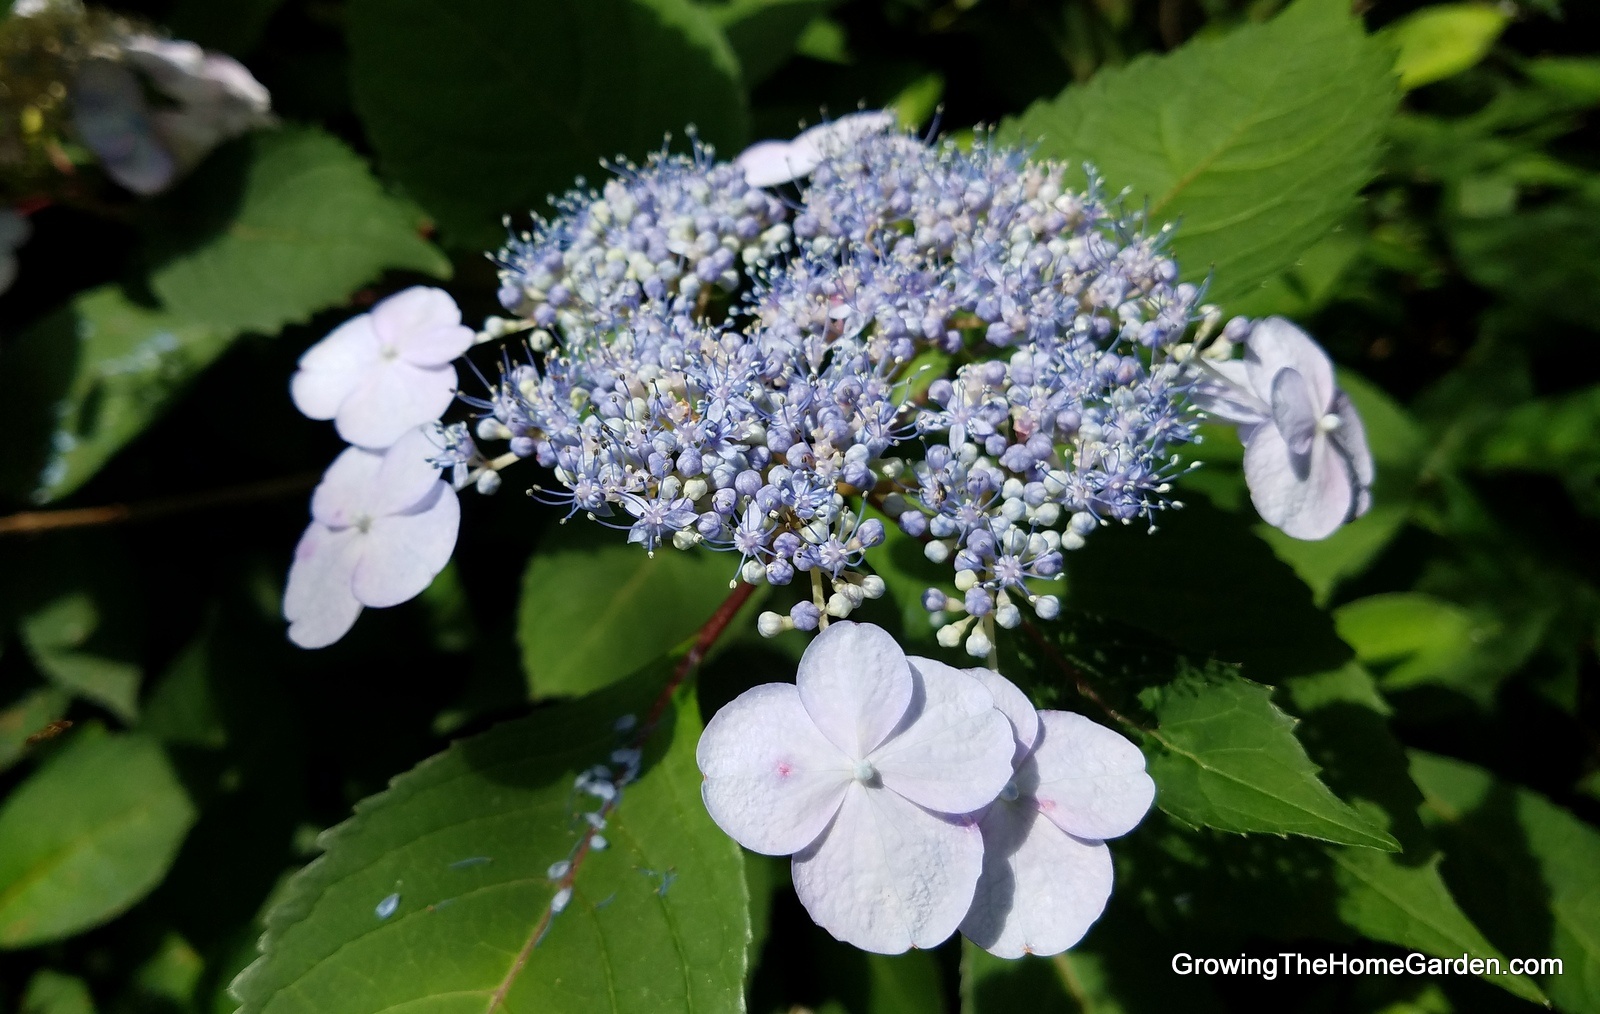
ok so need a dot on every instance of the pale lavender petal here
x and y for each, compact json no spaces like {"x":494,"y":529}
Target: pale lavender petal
{"x":406,"y":474}
{"x":318,"y":601}
{"x":1041,"y":888}
{"x":393,"y":398}
{"x":1089,"y":780}
{"x":1228,"y":396}
{"x":1350,"y":441}
{"x":856,"y":685}
{"x":1304,"y":496}
{"x":770,"y":163}
{"x":423,"y":324}
{"x":772,"y":781}
{"x":1293,"y":413}
{"x":1276,"y":344}
{"x":344,"y":496}
{"x":888,"y":875}
{"x":1011,"y":701}
{"x":826,"y":140}
{"x":333,"y":367}
{"x":952,"y":751}
{"x":405,"y":552}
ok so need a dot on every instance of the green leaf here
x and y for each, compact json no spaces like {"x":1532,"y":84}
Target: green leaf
{"x":84,"y":381}
{"x":1258,"y":141}
{"x":763,"y":32}
{"x":1221,"y":752}
{"x":1554,"y":435}
{"x":82,"y":621}
{"x":26,"y":716}
{"x":1536,"y":259}
{"x":1416,"y":638}
{"x":307,"y":225}
{"x":1251,"y":608}
{"x":1410,"y":906}
{"x":1443,"y":40}
{"x":465,"y":841}
{"x":87,"y":835}
{"x":1228,"y":759}
{"x":1522,"y":865}
{"x":590,"y":616}
{"x":51,"y":992}
{"x":482,"y":107}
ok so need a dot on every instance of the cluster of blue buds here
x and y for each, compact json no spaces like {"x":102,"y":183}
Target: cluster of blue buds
{"x":949,"y":337}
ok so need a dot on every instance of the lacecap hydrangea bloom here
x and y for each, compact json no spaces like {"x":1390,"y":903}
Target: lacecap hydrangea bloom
{"x":948,"y":339}
{"x":917,"y":798}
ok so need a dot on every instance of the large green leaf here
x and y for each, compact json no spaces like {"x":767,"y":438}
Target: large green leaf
{"x":1258,"y":141}
{"x":89,"y":834}
{"x":590,"y":616}
{"x":1524,"y":866}
{"x":302,"y":225}
{"x":1221,"y":752}
{"x":453,"y":863}
{"x":1249,"y":608}
{"x":483,"y":107}
{"x":81,"y":383}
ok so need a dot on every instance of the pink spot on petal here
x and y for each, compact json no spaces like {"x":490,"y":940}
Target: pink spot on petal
{"x":784,"y":769}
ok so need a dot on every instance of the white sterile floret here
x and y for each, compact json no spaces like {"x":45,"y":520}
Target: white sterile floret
{"x":862,"y":769}
{"x":1306,"y":458}
{"x":387,"y":371}
{"x":383,"y":526}
{"x":1046,"y":869}
{"x":770,"y":163}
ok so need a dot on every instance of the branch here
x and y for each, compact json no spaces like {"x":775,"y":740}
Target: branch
{"x":31,"y":522}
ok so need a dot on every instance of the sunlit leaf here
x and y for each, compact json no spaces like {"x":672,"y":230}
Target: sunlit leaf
{"x":1258,"y":141}
{"x":454,"y":862}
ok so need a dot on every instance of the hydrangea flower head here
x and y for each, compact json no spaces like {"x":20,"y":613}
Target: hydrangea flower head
{"x":1306,"y":458}
{"x":863,"y":769}
{"x":381,"y":374}
{"x":383,"y":526}
{"x":1046,"y":869}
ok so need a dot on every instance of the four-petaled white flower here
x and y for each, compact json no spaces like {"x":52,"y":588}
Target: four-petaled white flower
{"x":770,"y":163}
{"x":383,"y":526}
{"x":1306,"y":459}
{"x":387,"y":371}
{"x":864,"y":769}
{"x":1046,"y":869}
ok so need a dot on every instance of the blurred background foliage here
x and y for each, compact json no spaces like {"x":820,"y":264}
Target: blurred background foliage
{"x":1439,"y":653}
